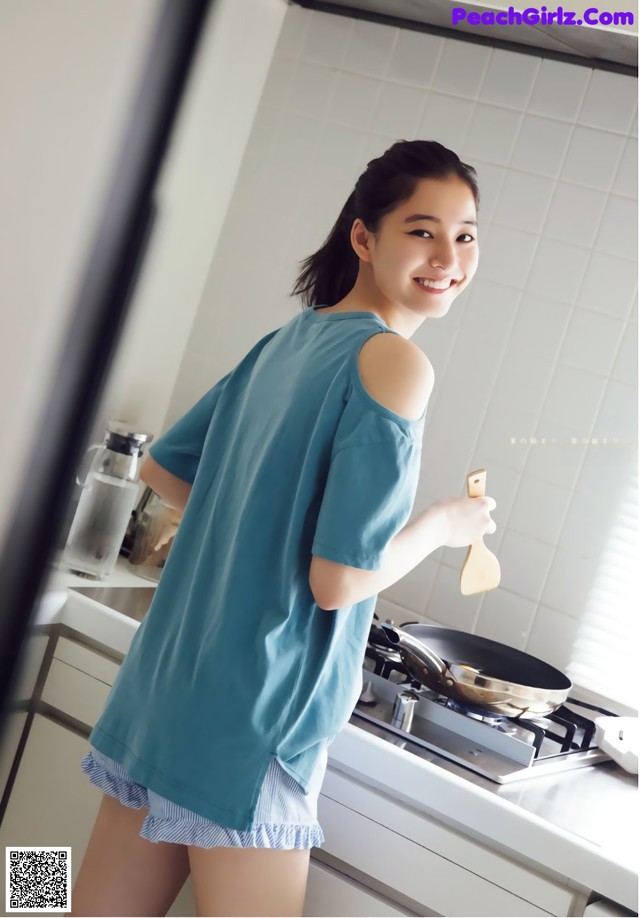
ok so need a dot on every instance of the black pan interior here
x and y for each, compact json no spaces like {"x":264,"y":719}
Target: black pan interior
{"x":494,"y":660}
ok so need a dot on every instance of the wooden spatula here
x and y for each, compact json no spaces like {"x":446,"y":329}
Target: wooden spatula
{"x":481,"y":570}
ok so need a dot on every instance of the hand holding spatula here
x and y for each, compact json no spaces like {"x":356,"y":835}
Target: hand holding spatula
{"x":481,"y":570}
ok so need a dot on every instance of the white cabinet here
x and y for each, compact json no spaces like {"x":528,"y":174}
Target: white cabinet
{"x":10,"y":740}
{"x":25,"y":685}
{"x":52,"y":803}
{"x":79,"y":681}
{"x":30,"y":666}
{"x":330,"y":893}
{"x":438,"y":870}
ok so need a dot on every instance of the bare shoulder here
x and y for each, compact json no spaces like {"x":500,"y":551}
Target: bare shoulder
{"x":397,"y":374}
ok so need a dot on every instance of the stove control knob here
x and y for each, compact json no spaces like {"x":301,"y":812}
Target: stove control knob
{"x":403,"y":709}
{"x":367,"y":696}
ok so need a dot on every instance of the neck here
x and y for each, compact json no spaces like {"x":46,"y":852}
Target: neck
{"x":366,"y":297}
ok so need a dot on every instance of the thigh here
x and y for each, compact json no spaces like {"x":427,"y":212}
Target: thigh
{"x":249,"y":881}
{"x":123,"y":874}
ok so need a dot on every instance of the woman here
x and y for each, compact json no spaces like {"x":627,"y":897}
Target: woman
{"x":298,"y":473}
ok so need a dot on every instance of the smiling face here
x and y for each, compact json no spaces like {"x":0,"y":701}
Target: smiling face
{"x":424,"y":253}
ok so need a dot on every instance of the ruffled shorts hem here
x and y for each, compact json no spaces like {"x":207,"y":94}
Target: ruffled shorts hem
{"x":127,"y":792}
{"x":189,"y":828}
{"x":282,"y":837}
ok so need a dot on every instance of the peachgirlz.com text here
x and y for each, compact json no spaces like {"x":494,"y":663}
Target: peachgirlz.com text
{"x":542,"y":15}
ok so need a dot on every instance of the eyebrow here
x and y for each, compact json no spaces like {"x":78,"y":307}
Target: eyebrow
{"x":415,"y":217}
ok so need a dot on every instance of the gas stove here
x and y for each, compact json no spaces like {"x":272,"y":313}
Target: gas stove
{"x":502,"y":749}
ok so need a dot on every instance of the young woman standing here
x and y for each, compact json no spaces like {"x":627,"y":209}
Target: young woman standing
{"x":297,"y":472}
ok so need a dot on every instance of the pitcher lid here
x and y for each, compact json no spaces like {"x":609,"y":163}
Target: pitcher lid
{"x":124,"y":429}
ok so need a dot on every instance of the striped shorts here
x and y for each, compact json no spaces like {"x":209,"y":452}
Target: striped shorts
{"x":285,"y":816}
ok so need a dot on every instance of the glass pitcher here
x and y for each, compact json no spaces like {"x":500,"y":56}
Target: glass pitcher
{"x":108,"y":496}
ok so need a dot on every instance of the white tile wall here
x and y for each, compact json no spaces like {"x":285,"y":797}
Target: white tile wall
{"x":559,"y":90}
{"x":509,"y":79}
{"x":609,"y":285}
{"x":544,"y":343}
{"x":541,"y":145}
{"x":354,"y":100}
{"x":370,"y":48}
{"x":524,"y":200}
{"x":618,"y":233}
{"x":461,"y":68}
{"x":625,"y":368}
{"x":398,"y":111}
{"x":591,"y":342}
{"x":626,"y":180}
{"x":575,"y":213}
{"x":512,"y":271}
{"x":446,"y":118}
{"x":415,"y":58}
{"x":506,"y":617}
{"x":558,"y":268}
{"x":535,"y":317}
{"x":492,"y":134}
{"x":596,"y":170}
{"x":610,"y":103}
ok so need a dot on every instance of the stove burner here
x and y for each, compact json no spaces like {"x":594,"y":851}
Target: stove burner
{"x":558,"y":741}
{"x":478,"y":713}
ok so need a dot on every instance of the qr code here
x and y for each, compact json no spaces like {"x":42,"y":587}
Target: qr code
{"x":38,"y":880}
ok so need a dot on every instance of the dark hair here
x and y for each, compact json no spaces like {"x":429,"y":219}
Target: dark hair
{"x":330,"y":273}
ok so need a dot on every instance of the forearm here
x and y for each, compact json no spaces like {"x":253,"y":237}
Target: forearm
{"x":337,"y":585}
{"x":173,"y":490}
{"x":406,"y":550}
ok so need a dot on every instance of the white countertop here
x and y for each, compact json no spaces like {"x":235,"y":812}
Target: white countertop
{"x":611,"y":868}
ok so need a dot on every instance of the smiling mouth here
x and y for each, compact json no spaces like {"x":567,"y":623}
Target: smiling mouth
{"x":435,"y":286}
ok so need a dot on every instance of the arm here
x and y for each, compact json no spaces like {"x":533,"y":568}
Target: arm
{"x":399,"y":376}
{"x":174,"y":491}
{"x":335,"y":585}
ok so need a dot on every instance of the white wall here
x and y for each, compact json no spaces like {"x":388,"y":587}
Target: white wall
{"x":544,"y":343}
{"x":67,"y":71}
{"x":193,"y":195}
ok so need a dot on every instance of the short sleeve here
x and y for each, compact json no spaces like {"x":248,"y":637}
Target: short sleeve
{"x":371,"y":484}
{"x":179,"y":449}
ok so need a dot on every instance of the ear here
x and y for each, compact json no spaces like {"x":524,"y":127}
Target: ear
{"x":361,"y":240}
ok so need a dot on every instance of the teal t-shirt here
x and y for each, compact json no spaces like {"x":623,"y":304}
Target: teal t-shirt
{"x":235,"y":663}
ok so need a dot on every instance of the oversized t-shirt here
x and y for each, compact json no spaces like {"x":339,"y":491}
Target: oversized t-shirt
{"x":235,"y":663}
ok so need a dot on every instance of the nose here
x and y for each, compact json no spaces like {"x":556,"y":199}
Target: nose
{"x":443,"y":255}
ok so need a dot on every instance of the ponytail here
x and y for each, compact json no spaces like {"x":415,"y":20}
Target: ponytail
{"x":329,"y":274}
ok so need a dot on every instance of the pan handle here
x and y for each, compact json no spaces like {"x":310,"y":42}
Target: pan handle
{"x":431,"y":660}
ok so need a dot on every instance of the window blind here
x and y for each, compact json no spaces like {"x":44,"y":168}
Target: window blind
{"x":604,"y":658}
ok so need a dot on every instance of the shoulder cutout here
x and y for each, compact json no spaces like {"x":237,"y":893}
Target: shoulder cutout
{"x":397,"y":374}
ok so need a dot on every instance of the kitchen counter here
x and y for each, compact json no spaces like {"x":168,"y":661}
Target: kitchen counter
{"x":579,"y":826}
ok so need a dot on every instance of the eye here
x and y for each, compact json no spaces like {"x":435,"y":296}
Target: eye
{"x":425,"y":234}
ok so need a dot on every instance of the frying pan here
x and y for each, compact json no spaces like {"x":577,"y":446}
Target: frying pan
{"x":475,"y":670}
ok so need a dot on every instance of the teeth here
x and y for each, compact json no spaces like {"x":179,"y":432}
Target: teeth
{"x":439,"y":285}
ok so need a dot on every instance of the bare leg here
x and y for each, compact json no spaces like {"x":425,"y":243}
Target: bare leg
{"x":123,"y":874}
{"x":249,"y":881}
